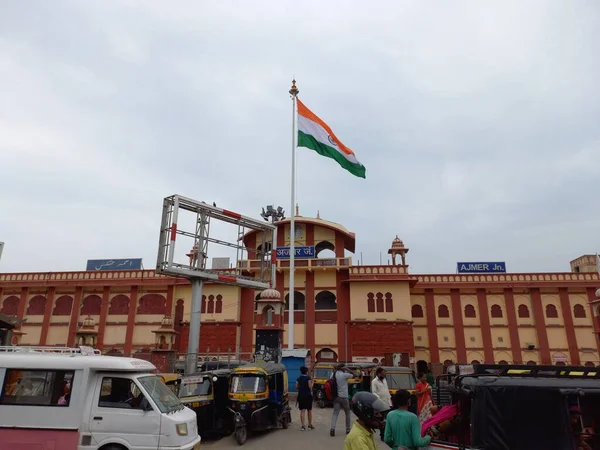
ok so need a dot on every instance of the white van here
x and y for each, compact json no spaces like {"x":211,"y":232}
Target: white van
{"x":77,"y":399}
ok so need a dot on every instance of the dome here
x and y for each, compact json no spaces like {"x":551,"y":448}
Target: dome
{"x":270,"y":294}
{"x":88,"y":322}
{"x":397,"y":243}
{"x":166,"y":322}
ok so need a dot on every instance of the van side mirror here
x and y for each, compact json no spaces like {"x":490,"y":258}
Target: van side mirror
{"x":145,"y":405}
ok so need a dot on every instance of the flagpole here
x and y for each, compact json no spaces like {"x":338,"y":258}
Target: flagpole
{"x":294,"y":93}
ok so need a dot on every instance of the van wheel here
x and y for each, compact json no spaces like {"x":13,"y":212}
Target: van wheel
{"x":241,"y":434}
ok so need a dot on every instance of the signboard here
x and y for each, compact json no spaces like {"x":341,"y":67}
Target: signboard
{"x":220,"y":263}
{"x":481,"y":267}
{"x":300,"y":252}
{"x":114,"y":264}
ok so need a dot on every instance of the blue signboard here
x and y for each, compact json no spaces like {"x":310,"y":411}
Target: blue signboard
{"x":300,"y":252}
{"x":481,"y":267}
{"x":114,"y":264}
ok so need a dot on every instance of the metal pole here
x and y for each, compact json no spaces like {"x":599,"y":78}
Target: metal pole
{"x":294,"y":93}
{"x":191,"y":362}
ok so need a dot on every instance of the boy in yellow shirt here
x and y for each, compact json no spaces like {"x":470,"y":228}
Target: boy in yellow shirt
{"x":369,"y":411}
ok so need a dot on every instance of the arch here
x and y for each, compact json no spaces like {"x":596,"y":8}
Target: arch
{"x":579,"y":311}
{"x":63,"y":305}
{"x":503,"y":362}
{"x":475,"y":362}
{"x":299,"y":301}
{"x":470,"y":312}
{"x":267,"y":316}
{"x":119,"y":305}
{"x":375,"y":361}
{"x":326,"y":355}
{"x":152,"y":304}
{"x":551,"y":311}
{"x":10,"y":306}
{"x":219,"y":304}
{"x":416,"y":311}
{"x":443,"y":311}
{"x":496,"y":311}
{"x":210,"y":305}
{"x":523,"y":312}
{"x":448,"y":362}
{"x":370,"y":302}
{"x":379,"y":301}
{"x":178,"y":313}
{"x":37,"y":305}
{"x":325,"y":300}
{"x":590,"y":364}
{"x":203,"y":306}
{"x":266,"y":254}
{"x":325,"y":246}
{"x":560,"y":363}
{"x":531,"y":363}
{"x":91,"y":305}
{"x":389,"y":302}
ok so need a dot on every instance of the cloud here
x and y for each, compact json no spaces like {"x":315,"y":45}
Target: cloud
{"x":477,"y":124}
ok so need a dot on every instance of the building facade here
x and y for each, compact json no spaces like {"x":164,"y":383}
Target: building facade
{"x":343,"y":311}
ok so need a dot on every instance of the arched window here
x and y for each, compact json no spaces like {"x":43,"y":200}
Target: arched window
{"x":325,"y":249}
{"x":203,"y":307}
{"x":267,"y":316}
{"x":210,"y":305}
{"x":561,"y":363}
{"x":523,"y":312}
{"x":470,"y":312}
{"x":36,"y":305}
{"x":551,"y":312}
{"x":475,"y":362}
{"x":219,"y":304}
{"x":443,"y":311}
{"x":502,"y":362}
{"x":496,"y":311}
{"x":370,"y":302}
{"x":531,"y":363}
{"x":416,"y":311}
{"x":325,"y":300}
{"x":152,"y":304}
{"x":299,"y":301}
{"x":10,"y":306}
{"x":379,"y":301}
{"x":579,"y":311}
{"x":589,"y":364}
{"x":64,"y":303}
{"x":389,"y":302}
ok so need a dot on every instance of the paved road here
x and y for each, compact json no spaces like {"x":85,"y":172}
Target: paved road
{"x":293,"y":438}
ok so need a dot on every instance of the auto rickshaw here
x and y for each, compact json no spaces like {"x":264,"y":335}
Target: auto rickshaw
{"x":258,"y":398}
{"x":172,"y":380}
{"x":205,"y":366}
{"x":206,"y":393}
{"x":363,"y":382}
{"x":320,"y":374}
{"x":401,"y":378}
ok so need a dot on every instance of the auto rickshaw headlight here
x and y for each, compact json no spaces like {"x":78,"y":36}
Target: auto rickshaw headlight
{"x":182,"y":429}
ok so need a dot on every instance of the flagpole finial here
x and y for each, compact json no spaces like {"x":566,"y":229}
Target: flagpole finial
{"x":297,"y":210}
{"x":294,"y":91}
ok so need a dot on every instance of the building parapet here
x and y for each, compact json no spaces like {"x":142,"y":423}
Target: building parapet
{"x":252,"y":265}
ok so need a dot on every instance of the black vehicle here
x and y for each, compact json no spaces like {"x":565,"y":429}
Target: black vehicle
{"x":258,"y":398}
{"x":207,"y":393}
{"x":504,"y":407}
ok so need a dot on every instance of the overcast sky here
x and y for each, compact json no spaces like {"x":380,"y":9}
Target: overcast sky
{"x":479,"y":126}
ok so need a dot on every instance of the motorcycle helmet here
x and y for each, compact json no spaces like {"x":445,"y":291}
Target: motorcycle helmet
{"x":369,"y":409}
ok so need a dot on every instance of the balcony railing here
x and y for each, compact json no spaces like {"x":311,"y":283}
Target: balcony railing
{"x":308,"y":263}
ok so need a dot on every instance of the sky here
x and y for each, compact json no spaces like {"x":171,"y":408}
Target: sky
{"x":478,"y":124}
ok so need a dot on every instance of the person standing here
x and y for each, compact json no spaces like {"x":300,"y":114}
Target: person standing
{"x":379,"y":387}
{"x":341,"y":375}
{"x":304,"y":385}
{"x":402,"y":428}
{"x":369,"y":411}
{"x":423,"y":391}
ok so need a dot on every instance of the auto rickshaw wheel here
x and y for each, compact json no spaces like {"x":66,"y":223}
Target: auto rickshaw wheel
{"x":285,"y":421}
{"x":241,"y":434}
{"x":321,"y":403}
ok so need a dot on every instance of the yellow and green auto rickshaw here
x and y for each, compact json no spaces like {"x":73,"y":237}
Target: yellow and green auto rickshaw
{"x":207,"y":394}
{"x":172,"y":380}
{"x":361,"y":383}
{"x":401,"y":378}
{"x":258,"y":398}
{"x":320,"y":374}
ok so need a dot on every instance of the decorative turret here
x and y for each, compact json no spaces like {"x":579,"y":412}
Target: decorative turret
{"x":398,"y":248}
{"x":269,"y":308}
{"x":165,"y":334}
{"x":87,"y":335}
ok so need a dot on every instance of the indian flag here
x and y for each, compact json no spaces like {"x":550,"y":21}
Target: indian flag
{"x":316,"y":135}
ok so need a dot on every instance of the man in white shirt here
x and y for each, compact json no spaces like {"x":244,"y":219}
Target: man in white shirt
{"x":379,"y":387}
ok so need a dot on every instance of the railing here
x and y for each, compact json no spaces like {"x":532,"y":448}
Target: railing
{"x":42,"y":349}
{"x":308,"y":263}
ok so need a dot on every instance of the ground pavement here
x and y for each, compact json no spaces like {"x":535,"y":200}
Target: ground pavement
{"x":293,"y":438}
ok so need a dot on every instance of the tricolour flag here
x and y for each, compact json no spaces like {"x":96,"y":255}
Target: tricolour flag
{"x":316,"y":135}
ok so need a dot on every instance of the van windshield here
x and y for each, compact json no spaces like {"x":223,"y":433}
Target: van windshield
{"x":163,"y":396}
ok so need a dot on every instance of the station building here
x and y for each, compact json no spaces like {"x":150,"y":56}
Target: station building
{"x":343,"y":311}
